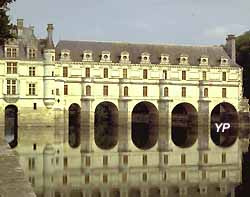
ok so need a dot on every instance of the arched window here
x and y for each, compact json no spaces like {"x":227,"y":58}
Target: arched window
{"x":125,"y":91}
{"x":205,"y":92}
{"x":165,"y":91}
{"x":88,"y":90}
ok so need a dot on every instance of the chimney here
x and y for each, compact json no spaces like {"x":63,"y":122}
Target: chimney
{"x":19,"y":23}
{"x":50,"y":44}
{"x":230,"y":47}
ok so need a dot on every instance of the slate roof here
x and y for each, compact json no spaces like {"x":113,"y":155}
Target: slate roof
{"x":135,"y":50}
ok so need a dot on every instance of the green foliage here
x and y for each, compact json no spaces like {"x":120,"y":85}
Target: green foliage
{"x":6,"y":27}
{"x":243,"y":48}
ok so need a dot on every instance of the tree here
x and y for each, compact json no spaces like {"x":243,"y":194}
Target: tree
{"x":243,"y":59}
{"x":6,"y":27}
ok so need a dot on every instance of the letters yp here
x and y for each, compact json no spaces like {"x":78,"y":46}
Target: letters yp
{"x":224,"y":126}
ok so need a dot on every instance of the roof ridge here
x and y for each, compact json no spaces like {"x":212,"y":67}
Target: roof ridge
{"x":141,"y":43}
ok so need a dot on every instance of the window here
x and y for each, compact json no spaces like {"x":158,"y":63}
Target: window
{"x":65,"y":162}
{"x":204,"y":75}
{"x":183,"y":175}
{"x":31,"y":163}
{"x":86,"y":179}
{"x":165,"y":91}
{"x":34,"y":106}
{"x":32,"y":89}
{"x":125,"y":91}
{"x":165,"y":159}
{"x":205,"y":92}
{"x":223,"y":174}
{"x":203,"y":174}
{"x":125,"y":73}
{"x":144,"y":160}
{"x":32,"y":180}
{"x":105,"y":91}
{"x":88,"y":90}
{"x":87,"y":72}
{"x":164,"y":176}
{"x":105,"y":160}
{"x":183,"y":158}
{"x":32,"y":71}
{"x":105,"y":73}
{"x":183,"y":75}
{"x":145,"y":91}
{"x":144,"y":177}
{"x":65,"y":90}
{"x":57,"y":91}
{"x":65,"y":179}
{"x":125,"y":159}
{"x":165,"y":74}
{"x":224,"y":92}
{"x":224,"y":76}
{"x":11,"y":67}
{"x":145,"y":73}
{"x":11,"y":52}
{"x":11,"y":87}
{"x":105,"y":178}
{"x":34,"y":146}
{"x":124,"y":177}
{"x":32,"y":54}
{"x":205,"y":158}
{"x":52,"y":74}
{"x":87,"y":160}
{"x":183,"y":92}
{"x":223,"y":158}
{"x":65,"y":71}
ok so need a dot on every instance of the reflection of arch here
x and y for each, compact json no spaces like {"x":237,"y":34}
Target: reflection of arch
{"x":184,"y":125}
{"x":96,"y":193}
{"x":154,"y":192}
{"x":106,"y":125}
{"x":134,"y":192}
{"x":11,"y":125}
{"x":144,"y":125}
{"x":114,"y":192}
{"x":74,"y":125}
{"x":224,"y":113}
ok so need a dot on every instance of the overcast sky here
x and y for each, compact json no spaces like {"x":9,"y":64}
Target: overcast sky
{"x":195,"y":22}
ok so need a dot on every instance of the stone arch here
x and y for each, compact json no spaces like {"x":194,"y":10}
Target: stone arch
{"x":115,"y":192}
{"x":96,"y":193}
{"x":154,"y":192}
{"x":145,"y":125}
{"x":224,"y":113}
{"x":106,"y":125}
{"x":134,"y":192}
{"x":11,"y":125}
{"x":184,"y":130}
{"x":74,"y":125}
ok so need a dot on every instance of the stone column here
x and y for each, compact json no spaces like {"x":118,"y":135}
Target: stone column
{"x":124,"y":130}
{"x":164,"y":140}
{"x":87,"y":125}
{"x":203,"y":124}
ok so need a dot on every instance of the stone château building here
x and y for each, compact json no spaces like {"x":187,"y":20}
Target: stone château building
{"x":162,"y":103}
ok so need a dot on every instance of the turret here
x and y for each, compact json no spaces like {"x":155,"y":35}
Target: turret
{"x":49,"y":69}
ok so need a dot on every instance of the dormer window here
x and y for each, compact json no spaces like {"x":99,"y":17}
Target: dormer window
{"x":164,"y":59}
{"x":11,"y":52}
{"x":31,"y":53}
{"x":87,"y":55}
{"x":184,"y":59}
{"x":65,"y":55}
{"x":105,"y":57}
{"x":204,"y":60}
{"x":145,"y":58}
{"x":223,"y":61}
{"x":124,"y":57}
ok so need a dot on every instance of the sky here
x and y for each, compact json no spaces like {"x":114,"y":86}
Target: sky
{"x":190,"y":22}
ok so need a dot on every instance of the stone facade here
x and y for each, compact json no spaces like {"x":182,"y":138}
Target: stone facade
{"x":48,"y":80}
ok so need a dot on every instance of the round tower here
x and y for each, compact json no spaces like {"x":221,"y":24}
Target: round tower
{"x":49,"y":69}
